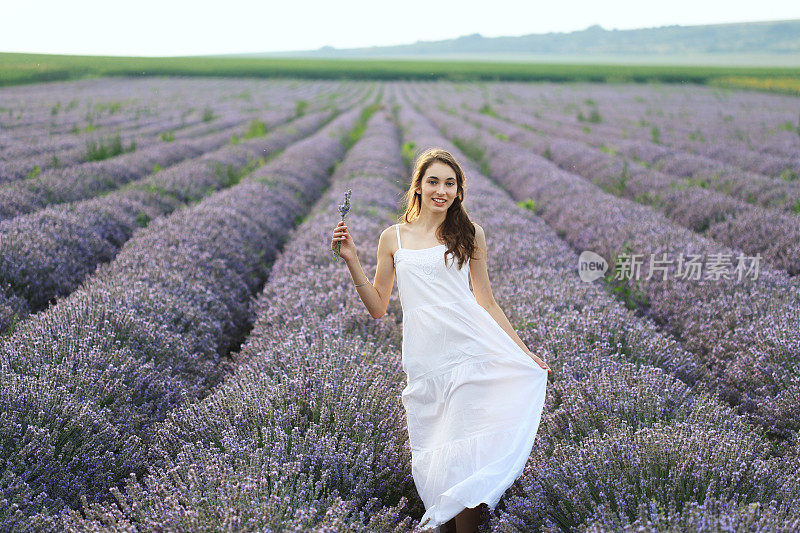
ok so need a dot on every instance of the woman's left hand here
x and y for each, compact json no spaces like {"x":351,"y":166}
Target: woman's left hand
{"x":539,"y":361}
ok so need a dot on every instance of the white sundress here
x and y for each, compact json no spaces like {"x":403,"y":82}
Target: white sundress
{"x":473,"y":397}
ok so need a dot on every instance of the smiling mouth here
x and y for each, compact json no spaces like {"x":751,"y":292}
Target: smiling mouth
{"x":437,"y":202}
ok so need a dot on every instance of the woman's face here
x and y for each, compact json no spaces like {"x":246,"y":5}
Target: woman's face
{"x":438,"y":182}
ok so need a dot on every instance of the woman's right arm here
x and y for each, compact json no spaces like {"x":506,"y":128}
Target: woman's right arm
{"x":375,"y":296}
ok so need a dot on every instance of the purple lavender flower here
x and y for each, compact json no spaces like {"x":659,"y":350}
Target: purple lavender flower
{"x":343,"y":210}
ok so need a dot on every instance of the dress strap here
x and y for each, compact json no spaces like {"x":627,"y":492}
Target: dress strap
{"x":397,"y":228}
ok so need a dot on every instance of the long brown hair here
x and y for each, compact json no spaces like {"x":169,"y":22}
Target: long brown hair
{"x":457,"y":230}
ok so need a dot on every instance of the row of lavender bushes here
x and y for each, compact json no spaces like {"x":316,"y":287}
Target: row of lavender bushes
{"x":747,"y":186}
{"x":695,"y":131}
{"x":610,"y":395}
{"x":162,"y":116}
{"x":105,"y":103}
{"x":90,"y":179}
{"x":760,"y":135}
{"x":742,"y":226}
{"x":48,"y":253}
{"x":62,"y":136}
{"x":86,"y":381}
{"x":309,"y":432}
{"x":128,"y":137}
{"x":776,"y":190}
{"x":743,"y":331}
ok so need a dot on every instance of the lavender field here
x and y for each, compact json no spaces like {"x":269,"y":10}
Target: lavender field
{"x":179,"y":351}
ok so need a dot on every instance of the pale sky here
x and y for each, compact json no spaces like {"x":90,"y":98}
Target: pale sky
{"x":182,"y":27}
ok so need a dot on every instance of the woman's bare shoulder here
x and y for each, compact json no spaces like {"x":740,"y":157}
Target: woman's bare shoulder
{"x":480,"y":236}
{"x":387,"y":238}
{"x":388,"y":230}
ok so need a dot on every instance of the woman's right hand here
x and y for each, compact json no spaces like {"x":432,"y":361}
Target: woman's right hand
{"x":348,"y":247}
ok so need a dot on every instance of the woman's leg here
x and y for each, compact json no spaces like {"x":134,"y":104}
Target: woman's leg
{"x":467,"y":520}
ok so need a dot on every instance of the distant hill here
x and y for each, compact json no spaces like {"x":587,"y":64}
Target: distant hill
{"x":750,"y":38}
{"x":762,"y":56}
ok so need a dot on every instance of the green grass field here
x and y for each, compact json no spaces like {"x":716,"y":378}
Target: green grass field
{"x":18,"y":69}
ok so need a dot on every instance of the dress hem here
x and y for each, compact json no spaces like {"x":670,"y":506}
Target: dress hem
{"x":494,"y":496}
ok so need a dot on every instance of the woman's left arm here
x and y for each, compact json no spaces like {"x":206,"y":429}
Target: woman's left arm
{"x":483,"y":294}
{"x":500,"y":317}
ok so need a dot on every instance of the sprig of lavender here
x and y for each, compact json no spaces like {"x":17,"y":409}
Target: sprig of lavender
{"x":343,"y":210}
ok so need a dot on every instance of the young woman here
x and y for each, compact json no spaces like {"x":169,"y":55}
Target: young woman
{"x":475,"y":392}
